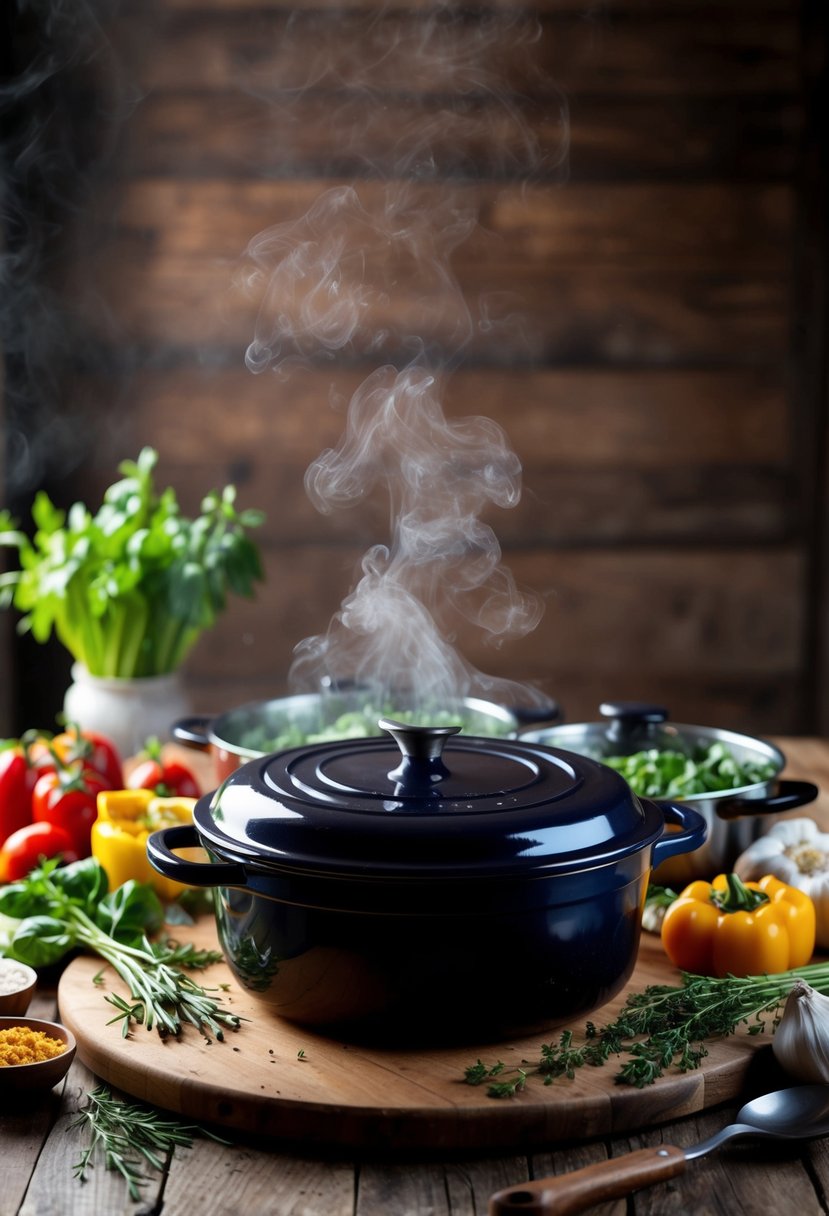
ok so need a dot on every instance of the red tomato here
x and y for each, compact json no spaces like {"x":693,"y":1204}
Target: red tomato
{"x":94,"y":750}
{"x":24,"y":848}
{"x":15,"y":792}
{"x":68,"y":799}
{"x":167,"y":780}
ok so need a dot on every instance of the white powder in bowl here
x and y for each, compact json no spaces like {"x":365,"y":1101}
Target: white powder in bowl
{"x":13,"y":976}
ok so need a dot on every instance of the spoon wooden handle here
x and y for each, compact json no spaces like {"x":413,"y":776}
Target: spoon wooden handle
{"x":580,"y":1189}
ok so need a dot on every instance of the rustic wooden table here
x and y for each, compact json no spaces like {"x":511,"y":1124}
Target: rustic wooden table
{"x":39,"y":1149}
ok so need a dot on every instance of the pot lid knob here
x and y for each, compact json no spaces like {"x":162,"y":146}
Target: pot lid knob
{"x":421,"y":766}
{"x":632,"y":724}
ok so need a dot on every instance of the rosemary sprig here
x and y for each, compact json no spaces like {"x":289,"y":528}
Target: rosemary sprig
{"x":185,"y":954}
{"x":163,"y":996}
{"x":663,"y":1026}
{"x":129,"y":1137}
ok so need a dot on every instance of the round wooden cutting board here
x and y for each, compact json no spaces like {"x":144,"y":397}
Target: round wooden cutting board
{"x":280,"y":1081}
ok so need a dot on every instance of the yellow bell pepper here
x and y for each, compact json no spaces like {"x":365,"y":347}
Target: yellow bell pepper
{"x":728,"y":927}
{"x":119,"y":836}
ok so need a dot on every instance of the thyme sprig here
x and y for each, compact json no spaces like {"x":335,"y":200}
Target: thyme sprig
{"x":128,"y":1137}
{"x":662,"y":1027}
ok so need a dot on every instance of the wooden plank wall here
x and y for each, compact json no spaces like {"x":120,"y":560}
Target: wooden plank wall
{"x":636,"y":168}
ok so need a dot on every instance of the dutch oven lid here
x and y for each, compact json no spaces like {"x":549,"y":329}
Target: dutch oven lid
{"x":425,"y":803}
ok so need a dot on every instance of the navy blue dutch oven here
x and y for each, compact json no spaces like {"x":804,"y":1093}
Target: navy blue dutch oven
{"x":425,"y":887}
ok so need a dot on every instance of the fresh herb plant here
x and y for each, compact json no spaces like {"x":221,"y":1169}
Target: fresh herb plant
{"x":128,"y":1137}
{"x":55,"y":910}
{"x":664,"y":1026}
{"x":130,"y":589}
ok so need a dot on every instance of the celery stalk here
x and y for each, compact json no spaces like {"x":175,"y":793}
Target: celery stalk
{"x":130,"y":589}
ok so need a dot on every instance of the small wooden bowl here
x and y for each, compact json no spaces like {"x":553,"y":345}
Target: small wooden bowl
{"x":23,"y":1078}
{"x":14,"y":1004}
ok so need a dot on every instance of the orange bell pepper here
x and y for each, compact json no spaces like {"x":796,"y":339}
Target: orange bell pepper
{"x":728,"y":927}
{"x":119,"y":836}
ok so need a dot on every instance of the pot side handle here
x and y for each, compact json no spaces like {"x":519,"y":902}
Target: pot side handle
{"x":692,"y":833}
{"x":192,"y":732}
{"x":160,"y":847}
{"x":788,"y":795}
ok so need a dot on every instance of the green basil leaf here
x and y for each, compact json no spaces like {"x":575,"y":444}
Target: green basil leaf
{"x":18,"y":900}
{"x":85,"y":882}
{"x":41,"y":940}
{"x":131,"y":912}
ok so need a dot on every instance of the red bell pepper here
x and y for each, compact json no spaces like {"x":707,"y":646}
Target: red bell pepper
{"x":15,"y":791}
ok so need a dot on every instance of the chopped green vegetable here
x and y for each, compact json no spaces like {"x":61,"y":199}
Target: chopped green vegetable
{"x":129,"y":590}
{"x":361,"y":724}
{"x":657,"y":773}
{"x":57,"y":909}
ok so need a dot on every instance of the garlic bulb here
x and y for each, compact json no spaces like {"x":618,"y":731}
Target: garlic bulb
{"x":801,"y":1041}
{"x":652,"y":917}
{"x":797,"y":852}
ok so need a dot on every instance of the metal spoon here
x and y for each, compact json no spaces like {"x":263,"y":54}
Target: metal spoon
{"x":788,"y":1114}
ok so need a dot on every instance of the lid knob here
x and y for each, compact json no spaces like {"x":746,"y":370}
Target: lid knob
{"x":421,"y":748}
{"x":633,"y":725}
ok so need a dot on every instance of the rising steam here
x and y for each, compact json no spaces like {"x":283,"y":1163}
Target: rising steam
{"x":331,"y":281}
{"x":442,"y":564}
{"x":367,"y":274}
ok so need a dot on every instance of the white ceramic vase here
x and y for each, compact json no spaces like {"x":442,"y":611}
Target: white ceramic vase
{"x":127,"y":711}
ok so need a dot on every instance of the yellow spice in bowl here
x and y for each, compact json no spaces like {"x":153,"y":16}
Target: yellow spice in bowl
{"x":22,"y":1045}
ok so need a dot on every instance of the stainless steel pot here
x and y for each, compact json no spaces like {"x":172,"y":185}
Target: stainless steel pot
{"x":431,"y":887}
{"x":734,"y":817}
{"x":261,"y":727}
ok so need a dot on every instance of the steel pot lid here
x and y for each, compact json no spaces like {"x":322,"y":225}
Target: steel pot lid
{"x":632,"y":726}
{"x":427,"y":802}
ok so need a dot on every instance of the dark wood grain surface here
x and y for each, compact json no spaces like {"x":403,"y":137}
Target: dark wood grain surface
{"x":649,"y":181}
{"x":39,"y":1148}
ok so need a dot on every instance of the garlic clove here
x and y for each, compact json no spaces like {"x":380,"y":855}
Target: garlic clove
{"x":652,"y":918}
{"x":801,"y":1041}
{"x":757,"y":860}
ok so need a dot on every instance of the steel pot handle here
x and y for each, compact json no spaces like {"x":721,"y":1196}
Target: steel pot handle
{"x":789,"y":794}
{"x":192,"y":732}
{"x":160,"y":847}
{"x":692,"y":833}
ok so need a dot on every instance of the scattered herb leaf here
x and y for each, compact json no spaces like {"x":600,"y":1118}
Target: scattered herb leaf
{"x":128,"y":1137}
{"x":662,"y":1027}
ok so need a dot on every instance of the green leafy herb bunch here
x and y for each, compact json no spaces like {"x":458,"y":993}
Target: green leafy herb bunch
{"x":130,"y":589}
